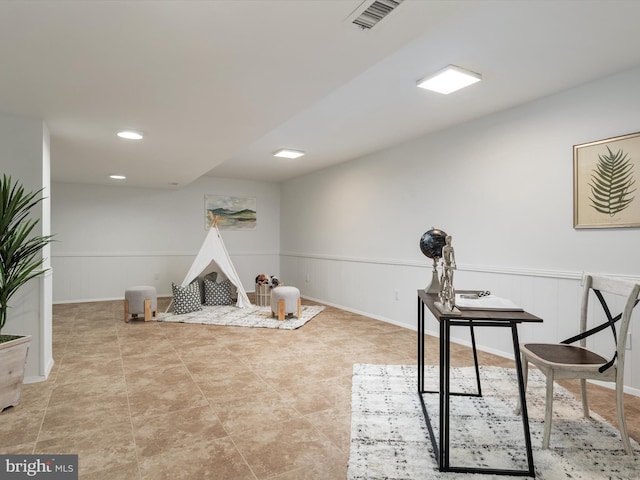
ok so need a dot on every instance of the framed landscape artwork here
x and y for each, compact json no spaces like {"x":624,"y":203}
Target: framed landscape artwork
{"x":236,"y":213}
{"x":605,"y":182}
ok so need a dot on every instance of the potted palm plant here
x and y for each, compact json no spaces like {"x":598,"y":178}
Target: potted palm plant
{"x":20,"y":261}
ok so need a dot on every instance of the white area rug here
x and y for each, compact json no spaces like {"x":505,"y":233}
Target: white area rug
{"x":253,"y":316}
{"x":390,"y":440}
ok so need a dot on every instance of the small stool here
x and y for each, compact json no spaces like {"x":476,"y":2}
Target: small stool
{"x":285,"y":300}
{"x":140,"y":300}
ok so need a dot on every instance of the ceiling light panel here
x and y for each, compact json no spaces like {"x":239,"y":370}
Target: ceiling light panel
{"x":288,"y":153}
{"x":449,"y":80}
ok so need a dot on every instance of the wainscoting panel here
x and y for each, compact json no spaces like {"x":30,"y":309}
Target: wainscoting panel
{"x":96,"y":276}
{"x":387,"y":290}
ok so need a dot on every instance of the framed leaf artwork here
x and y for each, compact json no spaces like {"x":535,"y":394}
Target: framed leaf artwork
{"x":606,"y":174}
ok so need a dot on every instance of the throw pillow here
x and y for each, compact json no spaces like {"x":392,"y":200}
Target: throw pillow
{"x":217,"y":293}
{"x":210,"y":276}
{"x":186,"y":299}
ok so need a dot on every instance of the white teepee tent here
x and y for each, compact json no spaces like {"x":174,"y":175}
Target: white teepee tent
{"x":213,"y":250}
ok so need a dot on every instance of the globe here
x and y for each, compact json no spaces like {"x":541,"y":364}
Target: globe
{"x":432,"y":242}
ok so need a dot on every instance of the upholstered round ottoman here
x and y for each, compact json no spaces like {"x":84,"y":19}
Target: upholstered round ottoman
{"x":285,"y":300}
{"x":140,"y":300}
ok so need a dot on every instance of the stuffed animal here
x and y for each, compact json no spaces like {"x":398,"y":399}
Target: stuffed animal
{"x":263,"y":279}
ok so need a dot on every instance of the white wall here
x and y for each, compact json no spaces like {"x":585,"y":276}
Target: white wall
{"x":110,"y":238}
{"x":24,"y":155}
{"x":500,"y":185}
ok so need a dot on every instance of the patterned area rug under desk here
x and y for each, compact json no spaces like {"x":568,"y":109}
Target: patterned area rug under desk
{"x":390,"y":440}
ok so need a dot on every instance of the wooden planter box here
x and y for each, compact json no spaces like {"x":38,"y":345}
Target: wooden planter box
{"x":13,"y":358}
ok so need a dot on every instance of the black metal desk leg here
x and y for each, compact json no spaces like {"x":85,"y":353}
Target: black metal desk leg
{"x":446,"y":394}
{"x":475,"y":357}
{"x":420,"y":346}
{"x":441,"y":443}
{"x":523,"y":399}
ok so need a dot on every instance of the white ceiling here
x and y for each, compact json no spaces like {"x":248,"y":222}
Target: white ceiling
{"x":217,"y":86}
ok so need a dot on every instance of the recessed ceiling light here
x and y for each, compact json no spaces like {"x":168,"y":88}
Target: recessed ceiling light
{"x":130,"y":134}
{"x":449,"y":80}
{"x":288,"y":153}
{"x":117,"y":177}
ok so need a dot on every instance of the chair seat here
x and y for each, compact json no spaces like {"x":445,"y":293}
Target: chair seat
{"x":564,"y":354}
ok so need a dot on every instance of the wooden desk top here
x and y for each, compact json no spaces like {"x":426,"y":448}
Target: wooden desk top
{"x":429,"y":299}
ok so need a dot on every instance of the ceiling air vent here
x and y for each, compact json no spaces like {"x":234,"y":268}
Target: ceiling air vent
{"x":370,"y":13}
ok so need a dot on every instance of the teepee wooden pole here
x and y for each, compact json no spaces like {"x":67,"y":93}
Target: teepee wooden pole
{"x":213,"y":218}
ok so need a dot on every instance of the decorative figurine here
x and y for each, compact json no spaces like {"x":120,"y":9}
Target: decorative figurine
{"x":447,"y":293}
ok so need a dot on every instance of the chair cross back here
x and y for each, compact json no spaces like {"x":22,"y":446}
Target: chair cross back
{"x":611,"y":320}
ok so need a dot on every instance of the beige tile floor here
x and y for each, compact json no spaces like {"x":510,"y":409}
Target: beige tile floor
{"x":160,"y":400}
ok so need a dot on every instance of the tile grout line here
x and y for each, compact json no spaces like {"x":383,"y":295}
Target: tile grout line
{"x":53,"y":385}
{"x":126,"y":389}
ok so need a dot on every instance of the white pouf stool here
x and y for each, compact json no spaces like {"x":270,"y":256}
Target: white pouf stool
{"x":285,"y":300}
{"x":141,"y":300}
